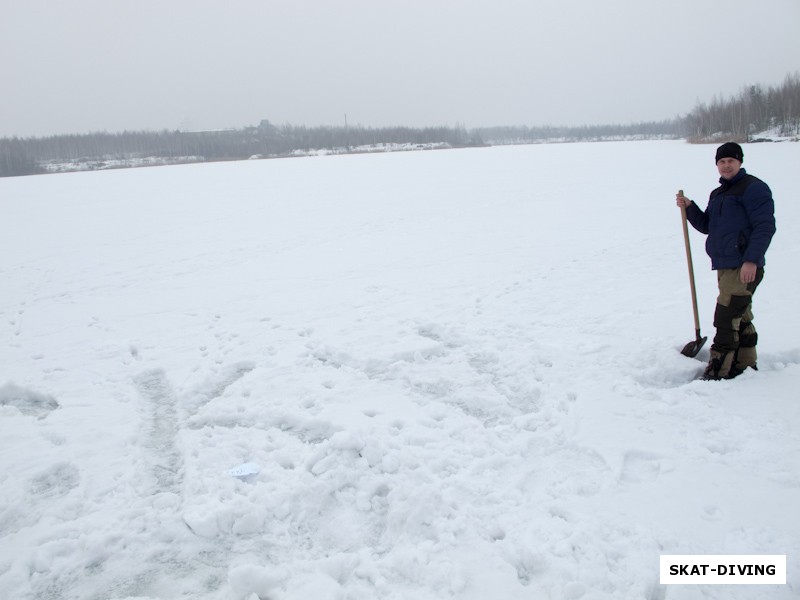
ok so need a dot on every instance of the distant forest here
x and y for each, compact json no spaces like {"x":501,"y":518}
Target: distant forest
{"x":754,"y":110}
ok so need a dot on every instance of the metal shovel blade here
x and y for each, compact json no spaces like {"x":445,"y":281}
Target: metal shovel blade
{"x":692,"y":348}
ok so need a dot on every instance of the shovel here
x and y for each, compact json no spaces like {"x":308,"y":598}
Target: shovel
{"x":692,"y":348}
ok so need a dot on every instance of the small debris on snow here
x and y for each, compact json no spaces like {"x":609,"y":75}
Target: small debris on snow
{"x":247,"y":472}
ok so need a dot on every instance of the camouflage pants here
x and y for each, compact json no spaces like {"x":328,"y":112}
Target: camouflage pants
{"x":733,"y":318}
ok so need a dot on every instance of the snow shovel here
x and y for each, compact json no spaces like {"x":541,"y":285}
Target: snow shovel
{"x":692,"y":348}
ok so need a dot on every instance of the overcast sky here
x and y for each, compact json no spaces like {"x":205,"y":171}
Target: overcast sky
{"x":91,"y":65}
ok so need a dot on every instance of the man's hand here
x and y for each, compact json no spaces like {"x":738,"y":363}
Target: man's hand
{"x":747,"y":274}
{"x":681,"y":200}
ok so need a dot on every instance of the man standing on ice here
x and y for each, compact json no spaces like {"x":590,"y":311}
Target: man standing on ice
{"x":740,"y":223}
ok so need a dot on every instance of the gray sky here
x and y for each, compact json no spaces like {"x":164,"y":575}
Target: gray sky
{"x":90,"y":65}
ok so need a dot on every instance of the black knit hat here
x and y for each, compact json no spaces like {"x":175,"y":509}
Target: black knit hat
{"x":730,"y":150}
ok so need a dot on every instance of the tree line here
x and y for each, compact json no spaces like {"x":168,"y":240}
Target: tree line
{"x":27,"y":156}
{"x":753,"y":110}
{"x":522,"y":134}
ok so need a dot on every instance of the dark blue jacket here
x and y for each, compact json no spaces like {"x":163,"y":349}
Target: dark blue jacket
{"x":739,"y":221}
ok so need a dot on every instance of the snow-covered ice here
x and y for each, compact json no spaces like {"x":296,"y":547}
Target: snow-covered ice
{"x":449,"y":374}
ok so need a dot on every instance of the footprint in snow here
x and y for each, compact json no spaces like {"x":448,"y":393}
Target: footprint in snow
{"x":215,"y":386}
{"x":640,"y":467}
{"x":162,"y":428}
{"x":55,"y":481}
{"x":27,"y":401}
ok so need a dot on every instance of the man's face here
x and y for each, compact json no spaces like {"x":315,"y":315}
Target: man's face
{"x":728,"y":167}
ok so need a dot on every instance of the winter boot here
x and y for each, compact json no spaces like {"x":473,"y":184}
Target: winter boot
{"x":721,"y":366}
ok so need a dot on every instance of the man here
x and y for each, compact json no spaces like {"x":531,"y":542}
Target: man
{"x":740,"y":223}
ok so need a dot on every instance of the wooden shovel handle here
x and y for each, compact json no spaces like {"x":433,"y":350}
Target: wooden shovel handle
{"x":691,"y":267}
